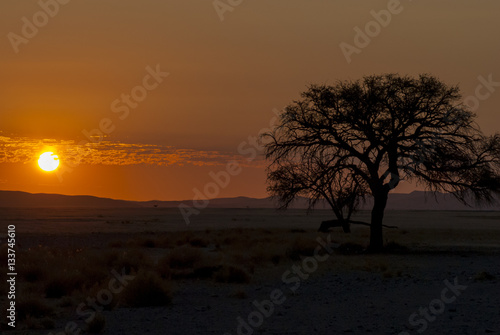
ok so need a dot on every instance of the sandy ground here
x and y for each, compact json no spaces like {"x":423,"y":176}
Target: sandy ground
{"x":446,"y":283}
{"x":355,"y":302}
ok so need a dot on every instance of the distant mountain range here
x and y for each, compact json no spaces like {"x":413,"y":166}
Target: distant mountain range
{"x":416,"y":200}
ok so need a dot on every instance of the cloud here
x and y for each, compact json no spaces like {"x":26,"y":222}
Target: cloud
{"x":26,"y":150}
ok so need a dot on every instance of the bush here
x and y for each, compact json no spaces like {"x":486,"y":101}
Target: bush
{"x":97,"y":324}
{"x":239,"y":294}
{"x":145,"y":290}
{"x":198,"y":241}
{"x":350,"y":248}
{"x":395,"y":248}
{"x":43,"y":323}
{"x":64,"y":284}
{"x":482,"y":276}
{"x":184,"y":257}
{"x":32,"y":273}
{"x":131,"y":260}
{"x":163,"y":267}
{"x":232,"y":274}
{"x":32,"y":308}
{"x":148,"y":243}
{"x":301,"y":247}
{"x":262,"y":253}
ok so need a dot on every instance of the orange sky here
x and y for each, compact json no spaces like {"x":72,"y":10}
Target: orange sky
{"x":224,"y":80}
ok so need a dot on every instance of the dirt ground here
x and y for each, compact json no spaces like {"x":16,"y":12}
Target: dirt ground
{"x":252,"y":271}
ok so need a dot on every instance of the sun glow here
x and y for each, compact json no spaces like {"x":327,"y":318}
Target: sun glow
{"x":48,"y":161}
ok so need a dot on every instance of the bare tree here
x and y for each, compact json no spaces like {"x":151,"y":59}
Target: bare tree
{"x":318,"y":178}
{"x":379,"y":131}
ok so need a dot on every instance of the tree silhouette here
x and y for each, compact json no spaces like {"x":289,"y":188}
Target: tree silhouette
{"x":317,"y":178}
{"x":364,"y":137}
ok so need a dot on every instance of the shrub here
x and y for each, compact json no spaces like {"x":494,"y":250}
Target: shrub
{"x":268,"y":253}
{"x":43,"y":323}
{"x":199,"y":241}
{"x":163,"y":267}
{"x":239,"y":294}
{"x":131,"y":260}
{"x":32,"y":273}
{"x":32,"y":307}
{"x":184,"y":257}
{"x":116,"y":244}
{"x":301,"y":247}
{"x":97,"y":324}
{"x":148,"y":243}
{"x":206,"y":271}
{"x":350,"y":248}
{"x":297,"y":230}
{"x":146,"y":289}
{"x":395,"y":248}
{"x":64,"y":284}
{"x":232,"y":274}
{"x":482,"y":276}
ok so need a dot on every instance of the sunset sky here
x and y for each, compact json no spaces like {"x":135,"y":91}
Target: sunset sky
{"x":178,"y":92}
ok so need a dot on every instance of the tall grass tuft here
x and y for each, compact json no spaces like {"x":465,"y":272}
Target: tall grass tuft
{"x":145,"y":290}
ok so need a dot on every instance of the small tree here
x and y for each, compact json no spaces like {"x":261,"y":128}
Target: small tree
{"x":379,"y":131}
{"x":316,"y":179}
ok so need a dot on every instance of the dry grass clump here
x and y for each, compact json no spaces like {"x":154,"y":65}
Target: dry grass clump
{"x":484,"y":276}
{"x":184,"y":257}
{"x":64,"y":283}
{"x":132,"y":260}
{"x":37,"y":264}
{"x":349,"y":248}
{"x":231,"y":274}
{"x":60,"y":272}
{"x":272,"y":253}
{"x":67,"y":302}
{"x":43,"y":323}
{"x":145,"y":290}
{"x":392,"y":274}
{"x":163,"y":267}
{"x":97,"y":324}
{"x":294,"y":230}
{"x":395,"y":248}
{"x":375,"y":263}
{"x":148,"y":243}
{"x":3,"y":253}
{"x":235,"y":237}
{"x":200,"y":241}
{"x":238,"y":294}
{"x":188,"y":262}
{"x":32,"y":272}
{"x":301,"y":246}
{"x":116,"y":244}
{"x":33,"y":308}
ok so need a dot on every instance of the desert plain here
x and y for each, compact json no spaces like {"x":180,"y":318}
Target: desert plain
{"x":250,"y":271}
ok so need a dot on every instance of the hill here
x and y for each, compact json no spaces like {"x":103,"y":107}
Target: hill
{"x":416,"y":200}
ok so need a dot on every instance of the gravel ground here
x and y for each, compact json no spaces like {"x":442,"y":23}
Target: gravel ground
{"x":335,"y":302}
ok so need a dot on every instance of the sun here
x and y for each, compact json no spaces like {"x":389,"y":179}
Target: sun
{"x":48,"y":161}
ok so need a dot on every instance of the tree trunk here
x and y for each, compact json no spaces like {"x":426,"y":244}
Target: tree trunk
{"x":346,"y":226}
{"x":376,"y":235}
